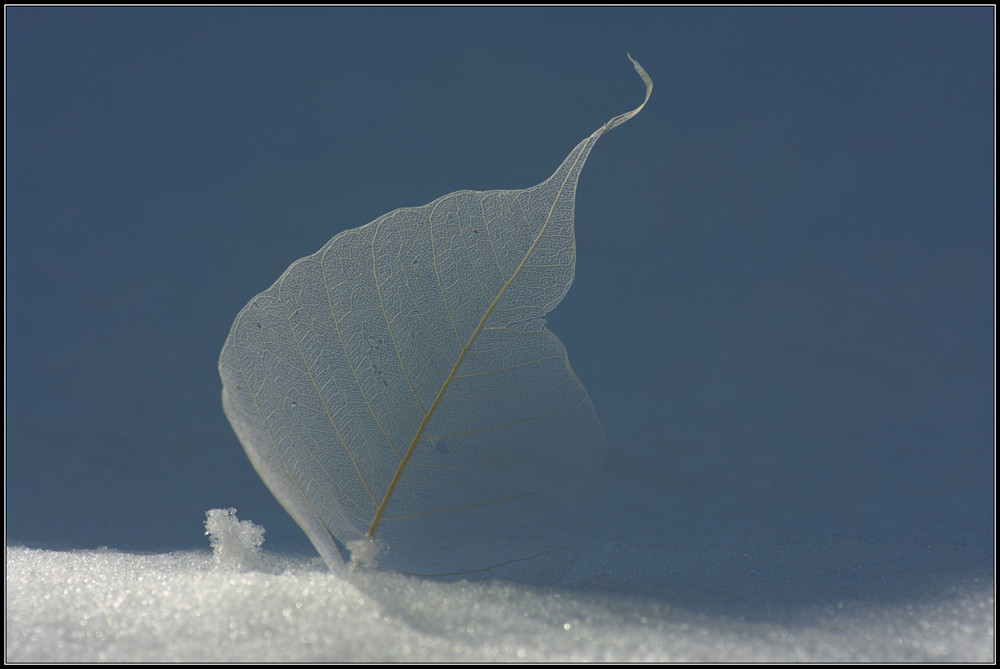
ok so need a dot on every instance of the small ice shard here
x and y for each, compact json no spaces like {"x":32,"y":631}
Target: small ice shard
{"x":235,"y":543}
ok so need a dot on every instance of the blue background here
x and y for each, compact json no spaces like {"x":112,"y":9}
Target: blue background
{"x":784,"y":303}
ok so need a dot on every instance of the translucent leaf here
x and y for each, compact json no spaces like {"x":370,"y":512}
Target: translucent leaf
{"x":400,"y":395}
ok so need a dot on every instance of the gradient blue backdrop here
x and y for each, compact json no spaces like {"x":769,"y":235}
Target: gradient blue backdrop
{"x":784,"y":303}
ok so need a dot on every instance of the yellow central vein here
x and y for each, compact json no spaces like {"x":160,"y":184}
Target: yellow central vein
{"x":570,"y":174}
{"x":376,"y":521}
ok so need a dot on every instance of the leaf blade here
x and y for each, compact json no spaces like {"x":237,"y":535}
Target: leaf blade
{"x":399,"y":384}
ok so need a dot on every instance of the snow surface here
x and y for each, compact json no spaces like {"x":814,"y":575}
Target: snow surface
{"x":106,"y":605}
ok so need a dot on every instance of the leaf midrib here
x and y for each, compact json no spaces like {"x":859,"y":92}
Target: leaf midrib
{"x":380,"y":510}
